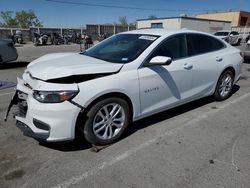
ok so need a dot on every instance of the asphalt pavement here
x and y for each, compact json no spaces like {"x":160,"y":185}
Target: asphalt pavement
{"x":201,"y":144}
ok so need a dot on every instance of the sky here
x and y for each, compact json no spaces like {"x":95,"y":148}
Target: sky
{"x":78,"y":14}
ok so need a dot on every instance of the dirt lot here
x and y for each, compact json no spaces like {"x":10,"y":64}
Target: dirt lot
{"x":201,"y":144}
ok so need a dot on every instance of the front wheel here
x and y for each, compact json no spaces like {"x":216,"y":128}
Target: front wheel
{"x":224,"y":86}
{"x":106,"y":121}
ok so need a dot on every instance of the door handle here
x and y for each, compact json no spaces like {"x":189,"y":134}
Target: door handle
{"x":219,"y":59}
{"x":187,"y":66}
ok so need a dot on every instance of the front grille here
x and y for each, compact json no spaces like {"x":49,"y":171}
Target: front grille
{"x":22,"y":104}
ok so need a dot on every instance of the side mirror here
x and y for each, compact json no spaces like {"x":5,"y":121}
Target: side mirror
{"x":160,"y":60}
{"x":231,"y":35}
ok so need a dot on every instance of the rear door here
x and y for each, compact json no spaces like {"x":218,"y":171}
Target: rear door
{"x":205,"y":53}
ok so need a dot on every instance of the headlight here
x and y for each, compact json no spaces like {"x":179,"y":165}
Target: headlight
{"x":54,"y":96}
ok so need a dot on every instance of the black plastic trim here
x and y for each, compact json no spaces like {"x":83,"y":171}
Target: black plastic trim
{"x":28,"y":132}
{"x":41,"y":125}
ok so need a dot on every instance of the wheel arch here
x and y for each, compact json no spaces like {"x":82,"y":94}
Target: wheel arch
{"x":83,"y":114}
{"x":230,"y":68}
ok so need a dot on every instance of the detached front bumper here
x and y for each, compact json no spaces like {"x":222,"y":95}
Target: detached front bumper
{"x":44,"y":121}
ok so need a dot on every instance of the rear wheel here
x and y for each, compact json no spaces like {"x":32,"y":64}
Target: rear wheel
{"x":106,"y":121}
{"x":224,"y":86}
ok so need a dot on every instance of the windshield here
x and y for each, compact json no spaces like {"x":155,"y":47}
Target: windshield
{"x":122,"y":48}
{"x":221,"y":33}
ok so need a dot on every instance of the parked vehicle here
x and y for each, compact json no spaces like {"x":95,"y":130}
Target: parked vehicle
{"x":8,"y":51}
{"x":40,"y":39}
{"x":247,"y":52}
{"x":127,"y":77}
{"x":17,"y":37}
{"x":232,"y":37}
{"x":57,"y":39}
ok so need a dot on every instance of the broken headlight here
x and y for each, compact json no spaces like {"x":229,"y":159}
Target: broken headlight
{"x":54,"y":96}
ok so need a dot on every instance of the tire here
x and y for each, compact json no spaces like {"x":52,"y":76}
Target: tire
{"x":100,"y":129}
{"x":224,"y":86}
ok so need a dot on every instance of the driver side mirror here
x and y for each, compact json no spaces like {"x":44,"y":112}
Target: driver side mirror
{"x":160,"y":60}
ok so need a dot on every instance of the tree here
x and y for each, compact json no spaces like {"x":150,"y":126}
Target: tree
{"x":123,"y":20}
{"x":152,"y":17}
{"x":22,"y":19}
{"x":8,"y":20}
{"x":27,"y":19}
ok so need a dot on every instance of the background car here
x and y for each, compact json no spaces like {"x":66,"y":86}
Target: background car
{"x":247,"y":52}
{"x":232,"y":37}
{"x":8,"y":51}
{"x":122,"y":79}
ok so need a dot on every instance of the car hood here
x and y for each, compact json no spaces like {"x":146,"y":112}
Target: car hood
{"x":61,"y":65}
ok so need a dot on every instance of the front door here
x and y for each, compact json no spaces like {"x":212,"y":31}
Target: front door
{"x":165,"y":86}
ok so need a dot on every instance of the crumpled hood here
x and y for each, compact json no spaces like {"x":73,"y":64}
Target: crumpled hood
{"x":59,"y":65}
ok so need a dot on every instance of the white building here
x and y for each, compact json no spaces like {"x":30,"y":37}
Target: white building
{"x":205,"y":25}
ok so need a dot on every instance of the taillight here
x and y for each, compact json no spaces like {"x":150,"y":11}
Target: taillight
{"x":11,"y":44}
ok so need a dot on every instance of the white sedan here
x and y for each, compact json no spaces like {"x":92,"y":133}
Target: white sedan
{"x":129,"y":76}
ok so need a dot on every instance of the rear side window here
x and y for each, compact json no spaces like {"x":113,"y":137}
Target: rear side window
{"x":200,"y":44}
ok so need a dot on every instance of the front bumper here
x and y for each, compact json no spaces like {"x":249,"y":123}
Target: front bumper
{"x":44,"y":121}
{"x":28,"y":132}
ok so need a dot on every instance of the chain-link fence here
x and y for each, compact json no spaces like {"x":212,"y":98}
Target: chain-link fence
{"x":94,"y":31}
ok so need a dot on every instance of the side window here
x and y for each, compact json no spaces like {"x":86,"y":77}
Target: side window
{"x":200,"y":44}
{"x":174,"y":47}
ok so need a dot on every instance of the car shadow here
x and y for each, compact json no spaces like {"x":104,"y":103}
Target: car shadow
{"x":75,"y":145}
{"x":138,"y":125}
{"x":15,"y":64}
{"x":168,"y":114}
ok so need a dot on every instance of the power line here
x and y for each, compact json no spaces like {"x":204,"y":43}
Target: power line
{"x":126,"y":7}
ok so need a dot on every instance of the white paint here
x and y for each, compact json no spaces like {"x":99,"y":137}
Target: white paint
{"x":126,"y":154}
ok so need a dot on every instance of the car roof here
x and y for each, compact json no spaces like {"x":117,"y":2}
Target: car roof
{"x":162,"y":32}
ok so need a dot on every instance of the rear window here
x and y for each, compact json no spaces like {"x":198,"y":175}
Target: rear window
{"x":199,"y":44}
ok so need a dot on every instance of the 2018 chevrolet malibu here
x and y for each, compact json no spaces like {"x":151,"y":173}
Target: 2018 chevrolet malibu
{"x":124,"y":78}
